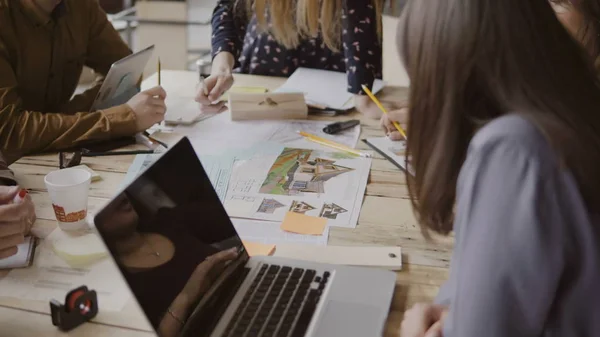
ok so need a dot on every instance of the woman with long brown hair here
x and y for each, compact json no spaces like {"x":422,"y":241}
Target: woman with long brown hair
{"x":275,"y":37}
{"x":580,"y":17}
{"x":505,"y":145}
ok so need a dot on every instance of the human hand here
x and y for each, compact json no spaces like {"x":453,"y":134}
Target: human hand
{"x":216,"y":85}
{"x":367,"y":107}
{"x":387,"y":123}
{"x":423,"y":320}
{"x":205,"y":274}
{"x":198,"y":283}
{"x":149,"y":107}
{"x":16,"y":220}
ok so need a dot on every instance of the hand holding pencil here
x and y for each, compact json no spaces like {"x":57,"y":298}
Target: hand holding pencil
{"x":386,"y":115}
{"x":399,"y":115}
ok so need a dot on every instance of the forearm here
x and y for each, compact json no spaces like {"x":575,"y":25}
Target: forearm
{"x":25,"y":132}
{"x":367,"y":107}
{"x":223,"y":63}
{"x":172,"y":321}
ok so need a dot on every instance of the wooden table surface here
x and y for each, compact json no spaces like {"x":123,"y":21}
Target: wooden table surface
{"x":386,"y":219}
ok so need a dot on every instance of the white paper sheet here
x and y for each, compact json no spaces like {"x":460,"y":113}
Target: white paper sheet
{"x":220,"y":133}
{"x":183,"y":110}
{"x":269,"y":233}
{"x":218,"y":169}
{"x":50,"y":277}
{"x":21,"y":258}
{"x":259,"y":187}
{"x":324,"y":87}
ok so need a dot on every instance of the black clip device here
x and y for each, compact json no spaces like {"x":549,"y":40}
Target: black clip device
{"x":81,"y":305}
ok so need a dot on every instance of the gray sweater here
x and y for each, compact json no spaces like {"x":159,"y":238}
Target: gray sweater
{"x":526,"y":260}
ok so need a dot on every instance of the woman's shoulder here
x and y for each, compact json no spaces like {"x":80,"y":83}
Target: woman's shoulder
{"x":512,"y":133}
{"x":512,"y":144}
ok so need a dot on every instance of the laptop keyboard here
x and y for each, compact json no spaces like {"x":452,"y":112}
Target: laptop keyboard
{"x":280,"y":302}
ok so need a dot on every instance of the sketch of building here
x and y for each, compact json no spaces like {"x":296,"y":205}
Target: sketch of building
{"x":301,"y":207}
{"x":269,"y":206}
{"x":310,"y":176}
{"x":331,"y":211}
{"x":294,"y":173}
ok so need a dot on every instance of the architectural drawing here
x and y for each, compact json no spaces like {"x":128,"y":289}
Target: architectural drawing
{"x":294,"y":173}
{"x":269,"y":206}
{"x":302,"y":180}
{"x":331,"y":211}
{"x":301,"y":207}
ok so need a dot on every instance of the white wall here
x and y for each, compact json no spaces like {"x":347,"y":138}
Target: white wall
{"x":393,"y":70}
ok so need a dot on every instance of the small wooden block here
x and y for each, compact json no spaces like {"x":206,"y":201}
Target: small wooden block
{"x":267,"y":106}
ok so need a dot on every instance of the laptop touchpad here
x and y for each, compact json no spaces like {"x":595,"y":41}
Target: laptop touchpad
{"x":348,"y":320}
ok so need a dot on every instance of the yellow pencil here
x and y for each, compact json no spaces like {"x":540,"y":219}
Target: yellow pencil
{"x":376,"y":101}
{"x":332,"y":144}
{"x":159,"y":71}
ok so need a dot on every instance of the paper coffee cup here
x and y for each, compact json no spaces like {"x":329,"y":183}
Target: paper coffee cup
{"x":68,"y":190}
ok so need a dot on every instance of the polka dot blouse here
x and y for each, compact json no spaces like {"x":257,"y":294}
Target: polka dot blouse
{"x":258,"y":53}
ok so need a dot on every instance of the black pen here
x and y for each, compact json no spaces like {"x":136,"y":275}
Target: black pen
{"x":340,"y":126}
{"x":115,"y":153}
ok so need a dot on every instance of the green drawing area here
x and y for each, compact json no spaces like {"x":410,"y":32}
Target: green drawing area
{"x":295,"y":173}
{"x":275,"y":181}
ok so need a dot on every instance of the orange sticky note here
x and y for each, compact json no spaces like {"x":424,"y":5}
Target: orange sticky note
{"x":303,"y":224}
{"x":258,"y":249}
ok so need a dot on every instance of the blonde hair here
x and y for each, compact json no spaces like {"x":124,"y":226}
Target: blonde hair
{"x":291,"y":21}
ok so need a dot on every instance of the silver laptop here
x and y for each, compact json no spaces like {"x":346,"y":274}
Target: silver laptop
{"x":164,"y":224}
{"x":121,"y":82}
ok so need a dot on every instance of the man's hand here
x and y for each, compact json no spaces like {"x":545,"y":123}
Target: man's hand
{"x":423,"y":320}
{"x":16,"y":220}
{"x":149,"y":107}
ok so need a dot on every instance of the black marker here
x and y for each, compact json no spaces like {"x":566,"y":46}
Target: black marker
{"x":340,"y":126}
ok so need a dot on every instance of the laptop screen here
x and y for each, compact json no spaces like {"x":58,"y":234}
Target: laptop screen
{"x":161,"y":229}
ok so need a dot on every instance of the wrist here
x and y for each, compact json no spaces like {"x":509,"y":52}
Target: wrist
{"x":181,"y":305}
{"x":223,"y":63}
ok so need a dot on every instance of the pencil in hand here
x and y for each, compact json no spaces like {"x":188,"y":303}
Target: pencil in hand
{"x":158,"y":72}
{"x":376,"y":101}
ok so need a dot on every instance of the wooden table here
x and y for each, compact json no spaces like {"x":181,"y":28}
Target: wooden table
{"x":386,"y":219}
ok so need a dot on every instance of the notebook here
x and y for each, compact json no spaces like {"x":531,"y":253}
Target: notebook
{"x":324,"y":88}
{"x":24,"y":256}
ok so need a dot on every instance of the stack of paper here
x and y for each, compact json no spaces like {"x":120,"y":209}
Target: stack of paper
{"x":324,"y":88}
{"x":23,"y":257}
